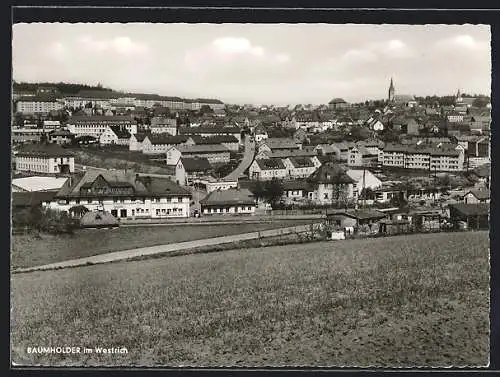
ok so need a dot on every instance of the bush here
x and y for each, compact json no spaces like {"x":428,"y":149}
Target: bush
{"x":44,"y":220}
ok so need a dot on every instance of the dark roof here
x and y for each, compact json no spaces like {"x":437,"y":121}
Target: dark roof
{"x":217,"y":139}
{"x":43,"y":150}
{"x":39,"y":98}
{"x":75,"y":119}
{"x":296,"y":184}
{"x":120,"y":132}
{"x":195,"y":164}
{"x":270,"y":163}
{"x":166,"y":139}
{"x":301,"y":162}
{"x":208,"y":130}
{"x":280,"y":143}
{"x":228,"y":197}
{"x":209,"y":100}
{"x":31,"y":199}
{"x":140,"y":136}
{"x":330,"y":173}
{"x":479,"y":194}
{"x":202,"y":148}
{"x":480,"y":209}
{"x":66,"y":133}
{"x":142,"y":185}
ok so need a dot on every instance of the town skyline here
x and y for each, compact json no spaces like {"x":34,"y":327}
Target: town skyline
{"x":353,"y":62}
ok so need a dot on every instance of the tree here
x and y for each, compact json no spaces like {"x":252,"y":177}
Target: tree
{"x":205,"y":109}
{"x":273,"y":190}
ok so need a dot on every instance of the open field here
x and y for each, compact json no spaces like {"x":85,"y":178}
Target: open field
{"x":419,"y":300}
{"x":31,"y":250}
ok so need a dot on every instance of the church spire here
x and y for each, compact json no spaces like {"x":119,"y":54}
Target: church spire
{"x":391,"y":91}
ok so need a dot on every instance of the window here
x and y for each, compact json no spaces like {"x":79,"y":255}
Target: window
{"x":325,"y":195}
{"x":157,"y":212}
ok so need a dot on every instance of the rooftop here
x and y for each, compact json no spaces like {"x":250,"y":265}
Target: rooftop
{"x":228,"y":197}
{"x":270,"y":164}
{"x":195,"y":164}
{"x":43,"y":150}
{"x":142,"y":185}
{"x":330,"y":173}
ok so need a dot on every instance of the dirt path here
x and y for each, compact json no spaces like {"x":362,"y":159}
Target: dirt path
{"x":160,"y":249}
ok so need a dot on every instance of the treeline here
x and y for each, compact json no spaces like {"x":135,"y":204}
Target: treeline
{"x":62,"y":87}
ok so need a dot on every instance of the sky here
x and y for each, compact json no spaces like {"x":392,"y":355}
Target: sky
{"x":257,"y":63}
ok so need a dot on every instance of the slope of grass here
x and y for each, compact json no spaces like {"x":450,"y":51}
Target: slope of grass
{"x":31,"y":250}
{"x":420,"y":300}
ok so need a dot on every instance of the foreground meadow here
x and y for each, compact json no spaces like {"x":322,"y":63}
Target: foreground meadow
{"x":420,"y":300}
{"x":31,"y":250}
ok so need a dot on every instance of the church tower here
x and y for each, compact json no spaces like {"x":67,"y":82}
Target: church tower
{"x":458,"y":99}
{"x":390,"y":97}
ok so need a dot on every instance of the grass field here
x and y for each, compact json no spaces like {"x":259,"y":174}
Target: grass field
{"x":420,"y":300}
{"x":31,"y":250}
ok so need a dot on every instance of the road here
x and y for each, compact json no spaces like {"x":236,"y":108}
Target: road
{"x":162,"y":249}
{"x":245,"y":162}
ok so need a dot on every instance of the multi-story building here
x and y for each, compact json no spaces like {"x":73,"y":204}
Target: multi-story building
{"x":211,"y":131}
{"x":45,"y":158}
{"x":331,"y":185}
{"x":61,"y":137}
{"x":95,"y":125}
{"x":163,"y":125}
{"x":115,"y":135}
{"x":38,"y":105}
{"x":440,"y":157}
{"x":26,"y":135}
{"x":299,"y":167}
{"x":267,"y":168}
{"x":161,"y":143}
{"x":229,"y":141}
{"x":124,"y":195}
{"x":189,"y":170}
{"x":137,"y":140}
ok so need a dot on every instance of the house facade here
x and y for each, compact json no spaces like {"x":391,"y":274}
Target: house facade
{"x":124,"y":195}
{"x":331,"y":185}
{"x":96,"y":125}
{"x":45,"y":158}
{"x":228,"y":202}
{"x":114,"y":135}
{"x":299,"y":167}
{"x":161,"y":143}
{"x":267,"y":169}
{"x":190,"y":170}
{"x":38,"y":105}
{"x":161,"y":125}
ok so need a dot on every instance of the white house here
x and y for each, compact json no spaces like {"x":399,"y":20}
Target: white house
{"x":299,"y":167}
{"x":136,"y":140}
{"x":124,"y":195}
{"x":163,"y":125}
{"x":161,"y":143}
{"x":45,"y":158}
{"x":114,"y":135}
{"x":266,"y":169}
{"x":228,"y":202}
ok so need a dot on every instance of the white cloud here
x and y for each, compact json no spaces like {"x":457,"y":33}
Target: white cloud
{"x":235,"y":51}
{"x":119,"y":45}
{"x":463,"y":42}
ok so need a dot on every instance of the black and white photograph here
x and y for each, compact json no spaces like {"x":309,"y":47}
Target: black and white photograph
{"x":250,"y":195}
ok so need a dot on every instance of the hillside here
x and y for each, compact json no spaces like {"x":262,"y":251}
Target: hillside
{"x":420,"y":300}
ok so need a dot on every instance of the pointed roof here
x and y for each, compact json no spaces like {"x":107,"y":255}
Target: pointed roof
{"x":330,"y":173}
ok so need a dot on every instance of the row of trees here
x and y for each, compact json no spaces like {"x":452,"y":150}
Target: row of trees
{"x":44,"y":220}
{"x":62,"y":87}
